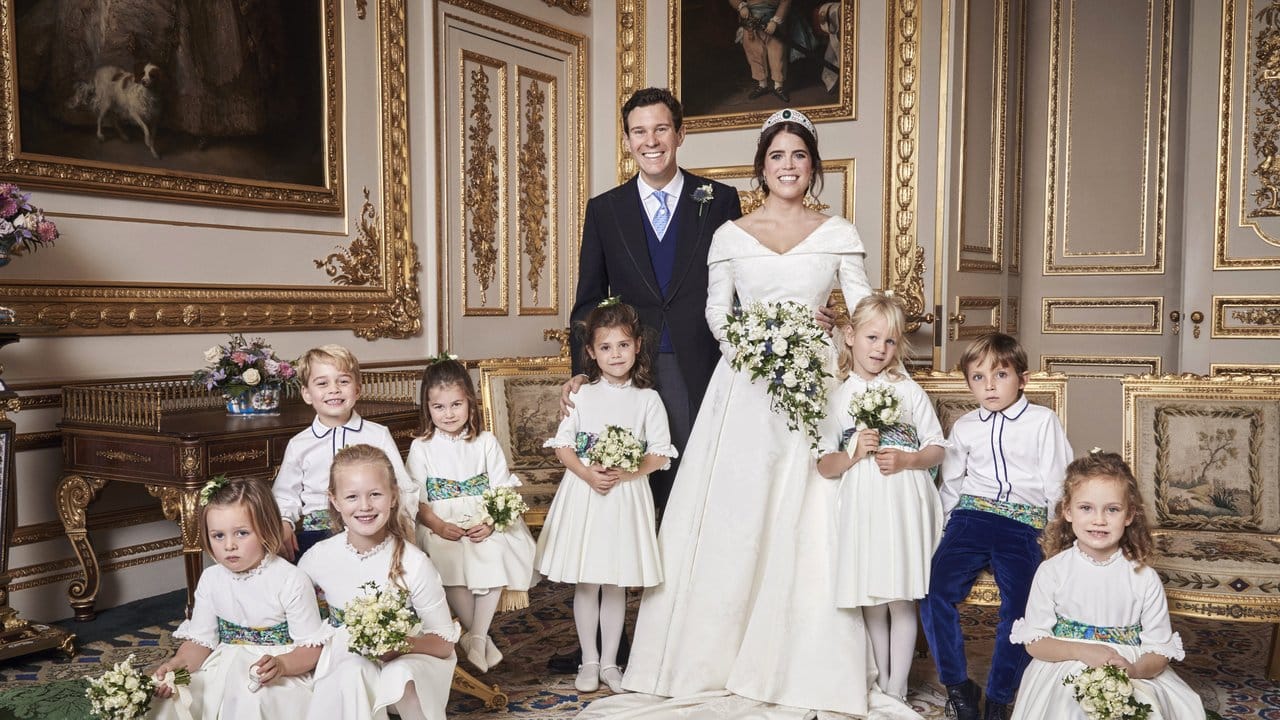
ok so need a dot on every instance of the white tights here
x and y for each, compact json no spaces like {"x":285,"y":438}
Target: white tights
{"x":892,"y":628}
{"x":605,"y":607}
{"x":475,"y":612}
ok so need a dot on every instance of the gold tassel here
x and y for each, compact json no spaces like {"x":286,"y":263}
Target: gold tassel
{"x":513,"y":600}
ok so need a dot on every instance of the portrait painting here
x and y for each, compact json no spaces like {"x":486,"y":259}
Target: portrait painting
{"x":217,"y":101}
{"x":734,"y":63}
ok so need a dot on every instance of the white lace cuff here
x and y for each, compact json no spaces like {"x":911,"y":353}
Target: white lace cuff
{"x":1172,"y":649}
{"x":1024,"y":633}
{"x":319,"y":638}
{"x":451,"y":633}
{"x":558,"y":443}
{"x":181,"y":634}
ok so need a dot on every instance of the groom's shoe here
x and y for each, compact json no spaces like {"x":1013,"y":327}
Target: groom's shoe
{"x":962,"y":701}
{"x":996,"y":711}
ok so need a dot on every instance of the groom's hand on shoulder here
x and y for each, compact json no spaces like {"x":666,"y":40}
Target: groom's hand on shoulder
{"x":571,"y":386}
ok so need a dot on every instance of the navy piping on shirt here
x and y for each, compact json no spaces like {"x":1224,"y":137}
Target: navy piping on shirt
{"x":333,"y":442}
{"x":1000,"y":462}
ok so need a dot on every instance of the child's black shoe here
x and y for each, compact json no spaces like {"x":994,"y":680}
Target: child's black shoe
{"x":962,"y":701}
{"x":997,"y":711}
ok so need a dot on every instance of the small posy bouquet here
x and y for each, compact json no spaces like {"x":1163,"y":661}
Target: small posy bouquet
{"x":241,"y":366}
{"x":618,"y":448}
{"x":502,"y":506}
{"x":1106,"y":693}
{"x":876,"y":408}
{"x":123,"y":693}
{"x":782,"y":343}
{"x":23,"y":227}
{"x":380,"y":621}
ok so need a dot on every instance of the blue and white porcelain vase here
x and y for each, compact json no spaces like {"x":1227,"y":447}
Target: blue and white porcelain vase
{"x":261,"y":400}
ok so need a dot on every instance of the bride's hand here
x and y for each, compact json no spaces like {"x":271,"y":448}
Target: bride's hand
{"x":825,"y":317}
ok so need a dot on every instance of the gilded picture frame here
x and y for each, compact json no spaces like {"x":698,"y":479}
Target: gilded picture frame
{"x":715,"y":56}
{"x":249,"y":116}
{"x":371,"y":287}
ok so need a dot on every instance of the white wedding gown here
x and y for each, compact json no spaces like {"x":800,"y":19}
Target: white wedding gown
{"x":745,"y":624}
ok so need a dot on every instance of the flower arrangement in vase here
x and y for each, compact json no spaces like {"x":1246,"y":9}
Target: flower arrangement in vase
{"x":249,"y":375}
{"x":23,"y":227}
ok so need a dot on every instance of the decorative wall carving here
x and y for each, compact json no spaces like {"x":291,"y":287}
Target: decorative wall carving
{"x":536,"y":177}
{"x":357,"y":264}
{"x":1246,"y":316}
{"x":631,"y":69}
{"x":904,"y":258}
{"x":485,"y":177}
{"x":573,"y":7}
{"x":1263,"y":116}
{"x":1145,"y":315}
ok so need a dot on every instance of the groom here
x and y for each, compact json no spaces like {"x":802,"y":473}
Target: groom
{"x":646,"y":240}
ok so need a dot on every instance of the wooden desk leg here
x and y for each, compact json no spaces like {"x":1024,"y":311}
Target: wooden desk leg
{"x":465,"y":682}
{"x":75,"y":493}
{"x":183,"y":507}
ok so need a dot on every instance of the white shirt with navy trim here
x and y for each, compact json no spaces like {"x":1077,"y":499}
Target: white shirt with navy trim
{"x":302,"y":484}
{"x":1019,"y":455}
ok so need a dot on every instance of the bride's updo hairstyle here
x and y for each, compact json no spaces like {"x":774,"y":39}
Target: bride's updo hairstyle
{"x":795,"y":123}
{"x":613,"y":313}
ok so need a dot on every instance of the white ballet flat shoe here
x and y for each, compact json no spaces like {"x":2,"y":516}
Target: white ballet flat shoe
{"x":588,"y":679}
{"x":492,"y":654}
{"x":611,"y":675}
{"x":473,"y":645}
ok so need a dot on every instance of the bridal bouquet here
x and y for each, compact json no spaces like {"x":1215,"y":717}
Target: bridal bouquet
{"x":617,"y":447}
{"x":876,"y":408}
{"x":782,"y":343}
{"x":1106,"y":693}
{"x":502,"y":506}
{"x":124,"y":693}
{"x":380,"y":621}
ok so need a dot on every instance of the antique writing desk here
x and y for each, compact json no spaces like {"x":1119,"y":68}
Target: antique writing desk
{"x":171,"y":438}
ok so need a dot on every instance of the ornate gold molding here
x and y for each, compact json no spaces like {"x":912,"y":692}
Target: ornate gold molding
{"x":122,"y":456}
{"x":1153,"y":326}
{"x":481,"y":197}
{"x":358,"y":263}
{"x":904,"y":258}
{"x":1143,"y":364}
{"x":573,"y":7}
{"x":391,"y":310}
{"x":238,"y":456}
{"x":538,"y":196}
{"x":751,"y":199}
{"x":182,"y":507}
{"x":967,"y":304}
{"x":1254,"y":316}
{"x":133,"y":555}
{"x":631,"y":70}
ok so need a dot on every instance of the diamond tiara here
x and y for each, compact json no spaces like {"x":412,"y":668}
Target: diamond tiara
{"x":789,"y":115}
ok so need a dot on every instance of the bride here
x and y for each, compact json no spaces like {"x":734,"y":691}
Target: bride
{"x":745,"y":623}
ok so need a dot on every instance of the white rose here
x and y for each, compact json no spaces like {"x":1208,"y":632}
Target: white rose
{"x":213,"y":354}
{"x":789,"y":379}
{"x":780,"y":346}
{"x":251,"y":376}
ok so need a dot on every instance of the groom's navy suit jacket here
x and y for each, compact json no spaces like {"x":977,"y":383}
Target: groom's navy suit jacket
{"x":614,"y":260}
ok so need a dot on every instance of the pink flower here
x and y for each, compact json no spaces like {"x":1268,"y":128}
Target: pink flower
{"x":47,"y":231}
{"x":286,"y":370}
{"x":8,"y":206}
{"x":240,"y":358}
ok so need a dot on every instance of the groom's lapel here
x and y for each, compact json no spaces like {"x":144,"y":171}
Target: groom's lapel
{"x":692,"y":234}
{"x":629,"y":220}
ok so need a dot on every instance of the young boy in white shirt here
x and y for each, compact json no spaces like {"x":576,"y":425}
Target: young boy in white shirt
{"x":1001,"y":478}
{"x":330,"y":377}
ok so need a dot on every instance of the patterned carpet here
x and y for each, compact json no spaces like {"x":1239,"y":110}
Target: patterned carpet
{"x":1224,"y":663}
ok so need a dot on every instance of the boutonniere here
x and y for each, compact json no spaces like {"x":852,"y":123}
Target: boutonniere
{"x":703,"y":195}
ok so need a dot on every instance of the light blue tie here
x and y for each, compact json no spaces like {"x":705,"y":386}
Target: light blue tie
{"x":662,"y":216}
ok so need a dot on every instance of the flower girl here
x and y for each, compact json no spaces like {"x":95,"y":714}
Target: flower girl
{"x":454,"y":464}
{"x":600,"y":529}
{"x":255,"y":633}
{"x":882,"y":437}
{"x":1094,"y":602}
{"x":376,"y":550}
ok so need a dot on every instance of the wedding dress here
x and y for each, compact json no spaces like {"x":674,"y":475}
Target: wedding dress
{"x":745,"y":624}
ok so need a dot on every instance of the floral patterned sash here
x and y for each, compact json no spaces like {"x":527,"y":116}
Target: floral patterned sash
{"x":445,"y":489}
{"x":1074,"y":630}
{"x":233,"y":634}
{"x":1033,"y":515}
{"x":318,"y":520}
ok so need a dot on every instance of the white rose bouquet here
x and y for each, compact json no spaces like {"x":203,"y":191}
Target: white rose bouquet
{"x":876,"y":408}
{"x":1106,"y":693}
{"x":617,"y":447}
{"x":782,"y":343}
{"x":124,"y":693}
{"x":380,"y":621}
{"x":502,"y":506}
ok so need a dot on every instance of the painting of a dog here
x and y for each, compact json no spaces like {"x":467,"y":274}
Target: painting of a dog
{"x":209,"y":101}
